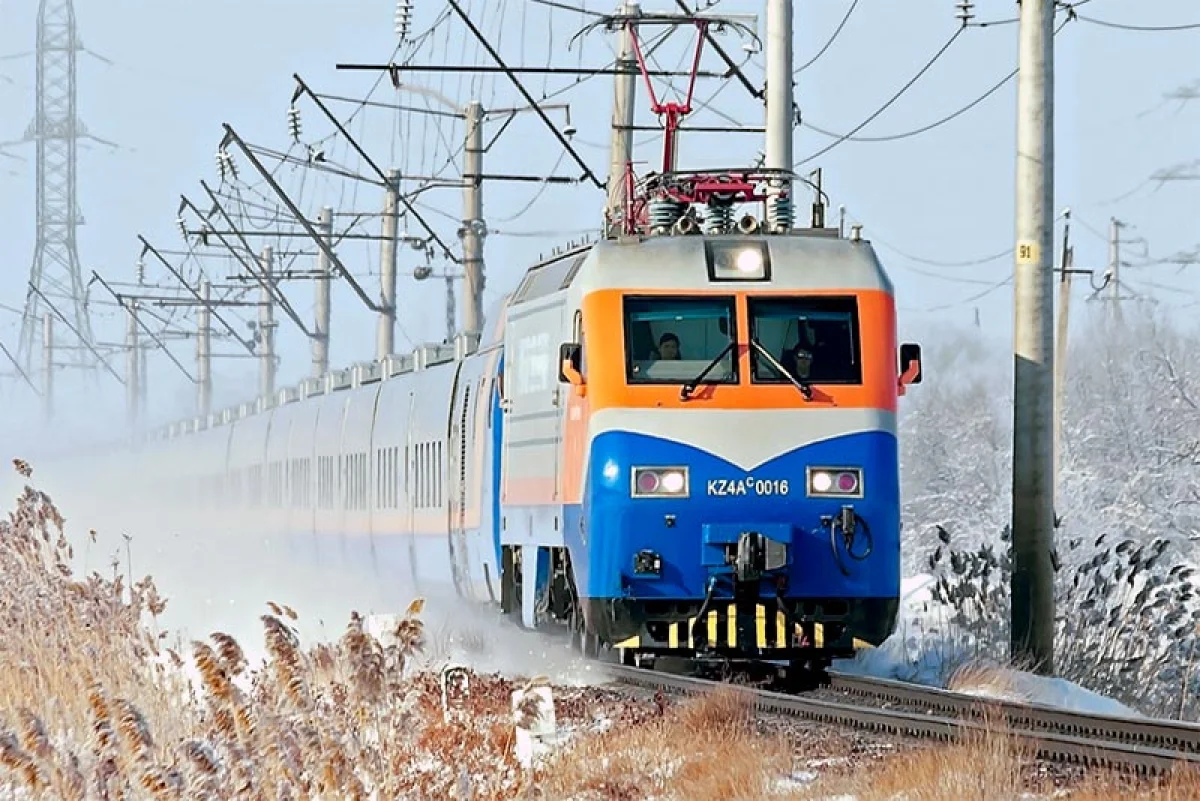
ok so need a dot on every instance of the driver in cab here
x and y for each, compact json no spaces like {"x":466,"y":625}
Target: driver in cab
{"x":668,"y":347}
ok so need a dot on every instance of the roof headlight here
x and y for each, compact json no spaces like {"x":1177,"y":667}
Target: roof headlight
{"x":737,"y":260}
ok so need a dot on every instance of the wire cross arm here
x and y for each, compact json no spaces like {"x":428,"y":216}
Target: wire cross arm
{"x":396,"y":69}
{"x":272,"y":290}
{"x":231,"y":135}
{"x":87,"y":345}
{"x":303,"y":89}
{"x":144,"y":327}
{"x":587,"y":171}
{"x":148,"y":248}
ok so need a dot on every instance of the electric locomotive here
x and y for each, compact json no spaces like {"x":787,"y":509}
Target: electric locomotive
{"x":699,"y":453}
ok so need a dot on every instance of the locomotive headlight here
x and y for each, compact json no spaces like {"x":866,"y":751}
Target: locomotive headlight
{"x":737,"y":260}
{"x":673,"y":481}
{"x":749,"y":263}
{"x":835,"y":482}
{"x":660,"y":482}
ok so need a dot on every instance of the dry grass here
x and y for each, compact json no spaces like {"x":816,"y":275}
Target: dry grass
{"x":93,"y":706}
{"x":701,"y":750}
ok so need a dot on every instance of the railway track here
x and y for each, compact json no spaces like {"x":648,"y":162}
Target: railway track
{"x":1142,"y":746}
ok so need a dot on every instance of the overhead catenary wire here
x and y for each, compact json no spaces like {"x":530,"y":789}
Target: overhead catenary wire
{"x":836,"y":32}
{"x":853,"y":137}
{"x":929,"y":64}
{"x":1189,"y":26}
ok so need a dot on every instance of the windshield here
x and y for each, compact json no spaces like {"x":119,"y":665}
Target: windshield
{"x":672,"y":340}
{"x":815,"y":339}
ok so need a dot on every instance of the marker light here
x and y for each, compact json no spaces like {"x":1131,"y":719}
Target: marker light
{"x":737,"y":260}
{"x":838,"y":482}
{"x":660,"y":482}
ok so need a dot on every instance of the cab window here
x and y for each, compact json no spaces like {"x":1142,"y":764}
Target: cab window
{"x":816,"y":339}
{"x":673,"y":340}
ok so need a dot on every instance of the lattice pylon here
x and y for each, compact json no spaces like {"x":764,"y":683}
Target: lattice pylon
{"x":55,"y":131}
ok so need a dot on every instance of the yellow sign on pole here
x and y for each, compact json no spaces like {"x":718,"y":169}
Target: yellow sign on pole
{"x":1028,"y":252}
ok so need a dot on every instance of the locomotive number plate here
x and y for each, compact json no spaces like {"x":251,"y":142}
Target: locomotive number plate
{"x":741,"y":487}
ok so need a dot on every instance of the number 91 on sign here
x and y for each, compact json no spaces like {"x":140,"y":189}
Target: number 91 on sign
{"x":740,"y":487}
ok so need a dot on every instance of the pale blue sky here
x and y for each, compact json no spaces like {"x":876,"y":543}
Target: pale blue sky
{"x":181,"y":69}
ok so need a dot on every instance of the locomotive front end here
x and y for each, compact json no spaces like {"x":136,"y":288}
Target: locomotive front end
{"x":737,"y":400}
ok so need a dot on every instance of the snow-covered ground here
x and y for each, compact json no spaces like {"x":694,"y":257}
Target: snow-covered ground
{"x":922,"y":651}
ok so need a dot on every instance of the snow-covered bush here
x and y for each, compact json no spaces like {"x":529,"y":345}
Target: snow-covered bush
{"x":1128,"y":505}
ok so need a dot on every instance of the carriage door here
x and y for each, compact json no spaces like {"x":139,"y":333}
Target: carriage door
{"x":456,"y":506}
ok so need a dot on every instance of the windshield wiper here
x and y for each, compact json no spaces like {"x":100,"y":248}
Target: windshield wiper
{"x":804,"y":387}
{"x":686,"y":391}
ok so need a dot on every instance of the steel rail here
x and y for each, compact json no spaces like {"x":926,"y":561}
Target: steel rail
{"x":1088,"y":749}
{"x":1176,"y":735}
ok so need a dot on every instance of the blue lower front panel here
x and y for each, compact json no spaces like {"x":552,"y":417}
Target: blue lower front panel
{"x":687,"y":532}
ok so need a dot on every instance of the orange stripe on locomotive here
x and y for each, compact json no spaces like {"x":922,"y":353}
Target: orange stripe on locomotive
{"x":605,"y":349}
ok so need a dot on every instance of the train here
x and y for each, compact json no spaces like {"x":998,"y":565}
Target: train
{"x":662,"y":444}
{"x":679,"y":439}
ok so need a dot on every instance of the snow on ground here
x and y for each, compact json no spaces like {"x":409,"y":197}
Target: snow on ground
{"x":921,"y":651}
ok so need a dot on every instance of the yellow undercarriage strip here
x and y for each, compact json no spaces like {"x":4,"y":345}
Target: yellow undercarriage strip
{"x":680,"y":634}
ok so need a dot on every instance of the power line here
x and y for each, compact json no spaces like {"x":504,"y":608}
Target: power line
{"x":837,"y":31}
{"x":1147,"y":28}
{"x":888,"y":104}
{"x":971,"y":299}
{"x":937,"y":123}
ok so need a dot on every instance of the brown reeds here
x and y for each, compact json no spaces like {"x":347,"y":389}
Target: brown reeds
{"x":92,"y":708}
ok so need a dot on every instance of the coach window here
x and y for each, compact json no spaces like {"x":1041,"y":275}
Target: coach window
{"x":816,"y":339}
{"x":673,"y":340}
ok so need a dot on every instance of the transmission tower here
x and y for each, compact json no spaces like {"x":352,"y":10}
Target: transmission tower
{"x":55,"y":276}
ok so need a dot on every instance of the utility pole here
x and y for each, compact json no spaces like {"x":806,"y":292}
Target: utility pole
{"x":450,"y":310}
{"x":266,"y":328}
{"x":624,"y":99}
{"x":385,"y":339}
{"x":1060,"y":348}
{"x":320,"y":339}
{"x":1032,"y":621}
{"x":780,"y":102}
{"x":133,"y":392}
{"x":473,"y":229}
{"x":1114,"y":267}
{"x":47,"y":365}
{"x":204,"y":351}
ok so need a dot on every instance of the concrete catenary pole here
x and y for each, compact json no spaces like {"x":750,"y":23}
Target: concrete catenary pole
{"x":1114,"y":267}
{"x":143,"y":372}
{"x":1061,"y":336}
{"x":780,"y":102}
{"x":204,"y":351}
{"x":1032,"y":623}
{"x":47,"y":365}
{"x":133,"y":392}
{"x":266,"y":328}
{"x":473,"y":229}
{"x":451,"y":309}
{"x":320,"y":340}
{"x":385,"y":338}
{"x":624,"y":102}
